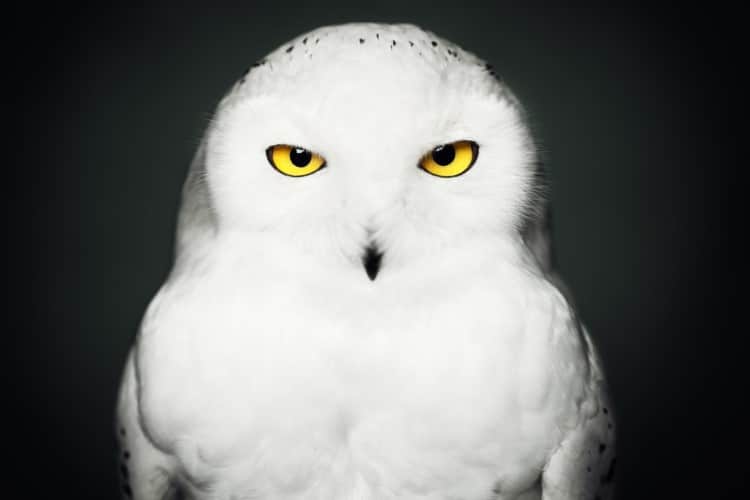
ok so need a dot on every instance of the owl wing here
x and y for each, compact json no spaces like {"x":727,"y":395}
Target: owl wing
{"x":145,"y":472}
{"x":583,"y":466}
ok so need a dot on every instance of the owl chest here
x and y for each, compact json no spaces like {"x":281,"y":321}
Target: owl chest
{"x":355,"y":389}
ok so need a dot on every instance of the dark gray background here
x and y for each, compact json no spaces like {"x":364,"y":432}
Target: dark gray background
{"x":632,"y":108}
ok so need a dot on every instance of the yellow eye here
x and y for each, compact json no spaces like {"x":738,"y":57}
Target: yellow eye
{"x":294,"y":161}
{"x":450,"y":160}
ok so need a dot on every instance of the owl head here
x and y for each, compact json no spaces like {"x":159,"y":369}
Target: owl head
{"x":368,"y":146}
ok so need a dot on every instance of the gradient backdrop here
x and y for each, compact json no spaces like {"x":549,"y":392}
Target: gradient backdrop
{"x":631,"y":106}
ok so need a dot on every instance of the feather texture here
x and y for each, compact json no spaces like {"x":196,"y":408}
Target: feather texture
{"x":270,"y":366}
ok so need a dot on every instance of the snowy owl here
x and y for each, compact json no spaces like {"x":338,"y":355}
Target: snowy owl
{"x":361,"y":304}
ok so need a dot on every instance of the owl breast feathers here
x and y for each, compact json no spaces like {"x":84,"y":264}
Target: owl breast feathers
{"x":362,"y":304}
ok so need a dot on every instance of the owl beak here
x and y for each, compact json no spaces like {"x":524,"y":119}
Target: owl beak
{"x":371,"y":260}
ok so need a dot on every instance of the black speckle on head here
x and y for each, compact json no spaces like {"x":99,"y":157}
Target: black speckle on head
{"x":304,"y":41}
{"x":605,"y":411}
{"x":411,"y":44}
{"x":126,"y":489}
{"x":289,"y":49}
{"x":393,"y":43}
{"x":126,"y":455}
{"x":361,"y":40}
{"x":434,"y":43}
{"x":124,"y":471}
{"x":488,"y":66}
{"x":377,"y":35}
{"x":602,"y":447}
{"x":317,"y":40}
{"x":122,"y":431}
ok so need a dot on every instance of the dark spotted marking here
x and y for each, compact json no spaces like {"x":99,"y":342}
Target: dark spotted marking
{"x":124,"y":471}
{"x":610,"y":472}
{"x":393,"y":43}
{"x":126,"y":489}
{"x":605,"y":411}
{"x":304,"y":41}
{"x":122,"y":431}
{"x":126,"y":455}
{"x":361,"y":40}
{"x":411,"y":44}
{"x":602,"y":447}
{"x":289,"y":49}
{"x":488,"y":66}
{"x":317,"y":40}
{"x":377,"y":35}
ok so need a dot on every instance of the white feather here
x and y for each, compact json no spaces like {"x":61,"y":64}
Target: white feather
{"x":270,"y":367}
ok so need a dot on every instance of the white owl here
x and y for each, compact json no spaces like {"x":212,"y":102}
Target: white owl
{"x":361,"y":305}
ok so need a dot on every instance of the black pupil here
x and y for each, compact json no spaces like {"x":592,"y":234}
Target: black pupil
{"x":444,"y":155}
{"x":300,"y":157}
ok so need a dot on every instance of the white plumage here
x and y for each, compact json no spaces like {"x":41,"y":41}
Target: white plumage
{"x":269,"y":366}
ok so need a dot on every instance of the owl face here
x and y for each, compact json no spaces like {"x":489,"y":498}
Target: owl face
{"x":366,"y":139}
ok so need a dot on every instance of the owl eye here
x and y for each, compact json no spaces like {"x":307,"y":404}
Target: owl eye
{"x":450,"y":160}
{"x":294,"y":161}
